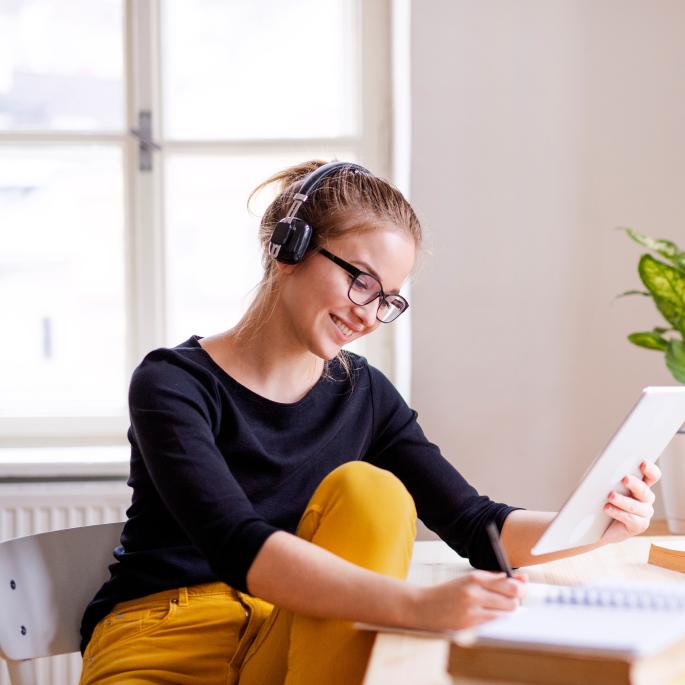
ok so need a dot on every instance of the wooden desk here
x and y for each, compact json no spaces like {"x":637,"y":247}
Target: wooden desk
{"x":403,"y":659}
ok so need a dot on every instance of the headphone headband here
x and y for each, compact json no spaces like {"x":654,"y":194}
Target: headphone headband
{"x":291,"y":237}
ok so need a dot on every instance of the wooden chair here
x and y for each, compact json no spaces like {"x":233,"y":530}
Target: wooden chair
{"x":46,"y":581}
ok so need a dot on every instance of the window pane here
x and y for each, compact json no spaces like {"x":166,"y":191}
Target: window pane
{"x":265,"y":69}
{"x":213,"y":259}
{"x":61,"y":65}
{"x":62,"y":351}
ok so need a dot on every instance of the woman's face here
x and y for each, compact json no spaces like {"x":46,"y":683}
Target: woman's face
{"x":314,"y":293}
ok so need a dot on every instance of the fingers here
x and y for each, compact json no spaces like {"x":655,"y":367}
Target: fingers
{"x":651,"y":473}
{"x":497,"y":601}
{"x":469,"y":600}
{"x":632,"y":505}
{"x":635,"y":509}
{"x":638,"y":489}
{"x":499,"y":582}
{"x":495,"y":591}
{"x":634,"y":524}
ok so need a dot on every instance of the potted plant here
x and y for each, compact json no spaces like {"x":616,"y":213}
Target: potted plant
{"x":664,"y":282}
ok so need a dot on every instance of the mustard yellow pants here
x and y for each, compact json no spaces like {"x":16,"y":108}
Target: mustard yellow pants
{"x":212,"y":634}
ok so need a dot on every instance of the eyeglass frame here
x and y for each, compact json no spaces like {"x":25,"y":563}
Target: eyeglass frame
{"x":355,"y":273}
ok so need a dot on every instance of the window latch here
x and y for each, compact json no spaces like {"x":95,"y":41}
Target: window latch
{"x":146,"y":145}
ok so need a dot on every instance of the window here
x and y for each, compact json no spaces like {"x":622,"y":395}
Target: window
{"x":131,"y":134}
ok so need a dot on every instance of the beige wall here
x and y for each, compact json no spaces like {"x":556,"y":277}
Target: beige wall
{"x":538,"y":126}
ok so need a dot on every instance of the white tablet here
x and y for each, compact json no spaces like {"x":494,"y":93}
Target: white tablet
{"x":643,"y":435}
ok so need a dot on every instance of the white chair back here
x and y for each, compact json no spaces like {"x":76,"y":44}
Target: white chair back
{"x":46,"y":581}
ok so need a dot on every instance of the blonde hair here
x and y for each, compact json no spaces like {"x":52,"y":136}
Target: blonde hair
{"x":344,"y":201}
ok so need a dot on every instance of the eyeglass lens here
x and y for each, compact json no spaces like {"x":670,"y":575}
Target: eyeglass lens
{"x":390,"y":308}
{"x":365,"y":288}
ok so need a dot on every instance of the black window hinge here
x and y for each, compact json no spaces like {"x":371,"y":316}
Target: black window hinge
{"x":146,"y":145}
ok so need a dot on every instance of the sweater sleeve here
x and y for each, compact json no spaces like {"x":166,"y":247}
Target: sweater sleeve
{"x":172,"y":415}
{"x":444,"y":500}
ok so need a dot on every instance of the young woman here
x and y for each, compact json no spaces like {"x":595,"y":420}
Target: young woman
{"x":276,"y":479}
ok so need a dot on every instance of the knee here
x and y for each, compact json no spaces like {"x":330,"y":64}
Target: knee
{"x":365,"y":515}
{"x":373,"y":493}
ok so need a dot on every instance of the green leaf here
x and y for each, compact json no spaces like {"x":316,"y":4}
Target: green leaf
{"x":665,"y":248}
{"x":661,"y":331}
{"x":650,"y":340}
{"x":675,"y":359}
{"x":667,"y":286}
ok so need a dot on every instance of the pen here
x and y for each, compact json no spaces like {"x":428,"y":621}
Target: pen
{"x":497,"y":548}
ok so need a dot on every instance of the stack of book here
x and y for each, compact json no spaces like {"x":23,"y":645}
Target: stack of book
{"x":629,"y":634}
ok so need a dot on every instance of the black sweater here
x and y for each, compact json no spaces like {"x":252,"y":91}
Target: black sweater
{"x":216,"y":469}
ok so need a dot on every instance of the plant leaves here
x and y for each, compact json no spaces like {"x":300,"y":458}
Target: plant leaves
{"x":649,"y":339}
{"x":667,"y":286}
{"x":675,"y":359}
{"x":665,"y":248}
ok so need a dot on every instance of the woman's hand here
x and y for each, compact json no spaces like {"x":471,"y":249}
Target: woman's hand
{"x":469,"y":600}
{"x":632,"y":512}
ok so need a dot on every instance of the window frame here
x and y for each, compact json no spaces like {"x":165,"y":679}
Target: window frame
{"x":144,"y":267}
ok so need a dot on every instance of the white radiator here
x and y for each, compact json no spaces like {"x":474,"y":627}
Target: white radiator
{"x":27,"y":508}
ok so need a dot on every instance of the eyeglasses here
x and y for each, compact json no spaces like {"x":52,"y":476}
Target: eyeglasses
{"x":366,"y":288}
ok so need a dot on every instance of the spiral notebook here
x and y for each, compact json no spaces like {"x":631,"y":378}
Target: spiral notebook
{"x":632,"y":619}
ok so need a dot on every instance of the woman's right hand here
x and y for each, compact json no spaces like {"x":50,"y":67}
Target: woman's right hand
{"x":469,"y":600}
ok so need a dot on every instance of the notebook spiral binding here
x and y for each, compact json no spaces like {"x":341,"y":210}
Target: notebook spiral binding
{"x":624,"y":598}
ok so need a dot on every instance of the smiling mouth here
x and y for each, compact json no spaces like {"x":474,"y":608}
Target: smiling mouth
{"x":347,"y":332}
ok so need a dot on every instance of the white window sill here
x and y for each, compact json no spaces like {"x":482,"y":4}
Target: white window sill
{"x":64,"y":462}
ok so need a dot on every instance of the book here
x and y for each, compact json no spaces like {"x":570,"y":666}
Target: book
{"x":671,"y":555}
{"x":516,"y":665}
{"x":619,"y":634}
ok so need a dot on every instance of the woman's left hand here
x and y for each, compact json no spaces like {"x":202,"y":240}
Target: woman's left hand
{"x":632,"y":512}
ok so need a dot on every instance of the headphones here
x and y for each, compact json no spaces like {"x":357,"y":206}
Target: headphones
{"x":291,"y":237}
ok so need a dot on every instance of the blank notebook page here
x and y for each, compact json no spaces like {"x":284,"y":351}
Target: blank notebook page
{"x":632,"y":619}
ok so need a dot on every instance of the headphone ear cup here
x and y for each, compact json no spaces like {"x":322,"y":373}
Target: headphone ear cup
{"x":290,"y":240}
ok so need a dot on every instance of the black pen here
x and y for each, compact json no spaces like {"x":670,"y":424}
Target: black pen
{"x":497,"y":548}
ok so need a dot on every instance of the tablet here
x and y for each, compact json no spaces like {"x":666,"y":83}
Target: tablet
{"x":643,"y":435}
